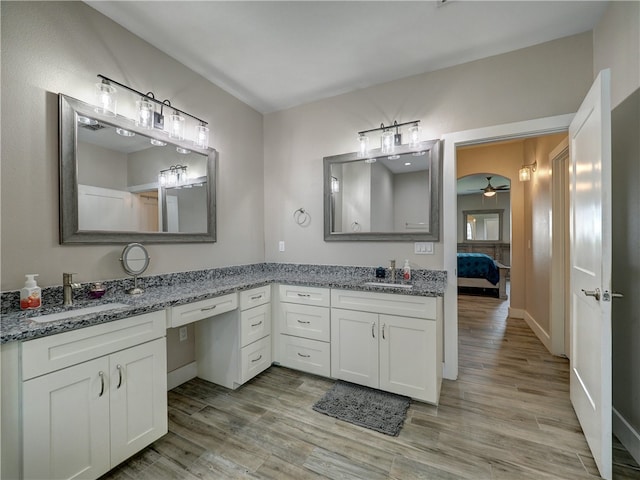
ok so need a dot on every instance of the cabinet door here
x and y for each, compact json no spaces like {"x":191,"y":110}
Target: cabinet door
{"x":408,"y":357}
{"x":354,"y":346}
{"x":66,"y":422}
{"x":138,"y":398}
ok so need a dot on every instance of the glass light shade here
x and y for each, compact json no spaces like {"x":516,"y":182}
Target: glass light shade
{"x":524,"y":174}
{"x":387,"y":142}
{"x":202,"y":136}
{"x":414,"y":135}
{"x":145,"y":113}
{"x":162,"y":179}
{"x":335,"y":185}
{"x":106,"y":99}
{"x":489,"y":193}
{"x":176,"y":126}
{"x":363,"y":145}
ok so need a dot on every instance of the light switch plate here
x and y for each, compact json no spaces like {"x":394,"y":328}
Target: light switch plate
{"x":281,"y":245}
{"x":183,"y":334}
{"x":423,"y":248}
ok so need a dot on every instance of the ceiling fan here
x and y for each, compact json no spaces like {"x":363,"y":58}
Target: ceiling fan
{"x":490,"y":190}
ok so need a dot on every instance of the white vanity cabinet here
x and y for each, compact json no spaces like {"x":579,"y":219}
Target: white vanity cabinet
{"x":388,"y":341}
{"x":93,"y":397}
{"x":303,"y":329}
{"x":233,"y":347}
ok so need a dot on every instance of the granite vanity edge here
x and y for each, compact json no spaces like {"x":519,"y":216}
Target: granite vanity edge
{"x":178,"y":289}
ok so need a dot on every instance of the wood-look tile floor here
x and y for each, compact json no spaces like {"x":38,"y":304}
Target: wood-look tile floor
{"x":508,"y":416}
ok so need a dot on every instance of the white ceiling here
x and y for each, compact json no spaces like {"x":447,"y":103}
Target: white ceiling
{"x":277,"y":54}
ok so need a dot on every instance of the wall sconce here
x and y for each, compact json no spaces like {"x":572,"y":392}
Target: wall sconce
{"x":524,"y":174}
{"x":335,"y":185}
{"x":147,"y":117}
{"x":389,"y":139}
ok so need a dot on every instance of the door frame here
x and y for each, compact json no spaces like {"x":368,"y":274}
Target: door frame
{"x":451,"y":141}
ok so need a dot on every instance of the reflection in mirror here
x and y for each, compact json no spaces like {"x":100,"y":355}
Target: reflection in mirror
{"x":122,"y":183}
{"x":482,"y":225}
{"x":383,"y":197}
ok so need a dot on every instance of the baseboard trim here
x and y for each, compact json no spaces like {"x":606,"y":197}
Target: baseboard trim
{"x":543,"y":336}
{"x":516,"y":312}
{"x":182,"y":374}
{"x":627,"y":435}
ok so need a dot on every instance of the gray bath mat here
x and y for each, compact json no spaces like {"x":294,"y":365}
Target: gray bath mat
{"x":381,"y":411}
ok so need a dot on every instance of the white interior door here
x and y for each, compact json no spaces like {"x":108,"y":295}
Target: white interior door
{"x":590,"y":239}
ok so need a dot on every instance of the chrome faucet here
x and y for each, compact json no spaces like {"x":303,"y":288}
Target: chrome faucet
{"x":393,"y":270}
{"x":67,"y":288}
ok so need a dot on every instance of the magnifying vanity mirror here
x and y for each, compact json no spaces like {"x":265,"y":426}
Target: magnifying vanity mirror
{"x":135,"y":260}
{"x":120,"y":183}
{"x":383,"y":197}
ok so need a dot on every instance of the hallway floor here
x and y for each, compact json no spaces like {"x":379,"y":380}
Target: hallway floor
{"x":508,"y":416}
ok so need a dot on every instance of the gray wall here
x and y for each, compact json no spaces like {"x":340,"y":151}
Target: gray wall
{"x":60,"y":47}
{"x":617,"y":46}
{"x":500,"y":89}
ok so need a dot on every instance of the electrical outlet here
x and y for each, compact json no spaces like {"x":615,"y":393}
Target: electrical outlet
{"x":281,"y":245}
{"x":183,"y":334}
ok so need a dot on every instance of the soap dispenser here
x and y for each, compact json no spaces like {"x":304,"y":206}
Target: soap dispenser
{"x":406,"y":271}
{"x":30,"y":295}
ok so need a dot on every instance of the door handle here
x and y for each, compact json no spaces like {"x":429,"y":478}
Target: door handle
{"x":592,"y":293}
{"x":607,"y":296}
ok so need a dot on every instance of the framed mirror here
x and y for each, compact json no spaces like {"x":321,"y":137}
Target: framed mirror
{"x":384,"y":197}
{"x":482,"y":225}
{"x":120,"y":183}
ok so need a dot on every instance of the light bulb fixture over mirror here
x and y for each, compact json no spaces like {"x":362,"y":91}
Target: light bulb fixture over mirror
{"x":390,"y":137}
{"x":146,"y":115}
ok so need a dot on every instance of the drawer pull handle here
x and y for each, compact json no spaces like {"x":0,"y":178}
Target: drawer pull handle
{"x":303,"y":322}
{"x":256,"y":324}
{"x":304,"y":295}
{"x":383,"y":327}
{"x":206,"y":309}
{"x":303,"y":356}
{"x":256,"y":297}
{"x":257,"y":359}
{"x":373,"y":329}
{"x":119,"y":367}
{"x":101,"y":374}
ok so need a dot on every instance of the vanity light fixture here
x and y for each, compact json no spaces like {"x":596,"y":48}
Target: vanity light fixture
{"x":147,"y":116}
{"x":174,"y":176}
{"x":389,"y":139}
{"x":524,"y":174}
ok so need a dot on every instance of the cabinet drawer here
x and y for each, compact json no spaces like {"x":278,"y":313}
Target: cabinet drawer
{"x":254,"y":297}
{"x":47,"y":354}
{"x":310,"y":356}
{"x":305,"y":321}
{"x":305,"y":295}
{"x":255,"y":358}
{"x":389,"y":303}
{"x":255,"y":324}
{"x":192,"y":312}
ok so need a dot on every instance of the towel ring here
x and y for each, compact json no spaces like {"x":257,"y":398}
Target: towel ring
{"x":301,"y":217}
{"x":356,"y":227}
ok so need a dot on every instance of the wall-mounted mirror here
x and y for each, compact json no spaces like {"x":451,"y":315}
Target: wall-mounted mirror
{"x":482,"y":225}
{"x":383,"y":197}
{"x":120,"y":183}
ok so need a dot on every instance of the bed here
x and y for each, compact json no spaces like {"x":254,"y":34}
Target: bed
{"x":477,"y":270}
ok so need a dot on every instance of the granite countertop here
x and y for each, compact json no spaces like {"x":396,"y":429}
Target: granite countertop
{"x":169,"y":290}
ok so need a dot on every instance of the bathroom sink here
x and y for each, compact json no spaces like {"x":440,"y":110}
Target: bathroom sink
{"x":403,"y":286}
{"x":52,"y":317}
